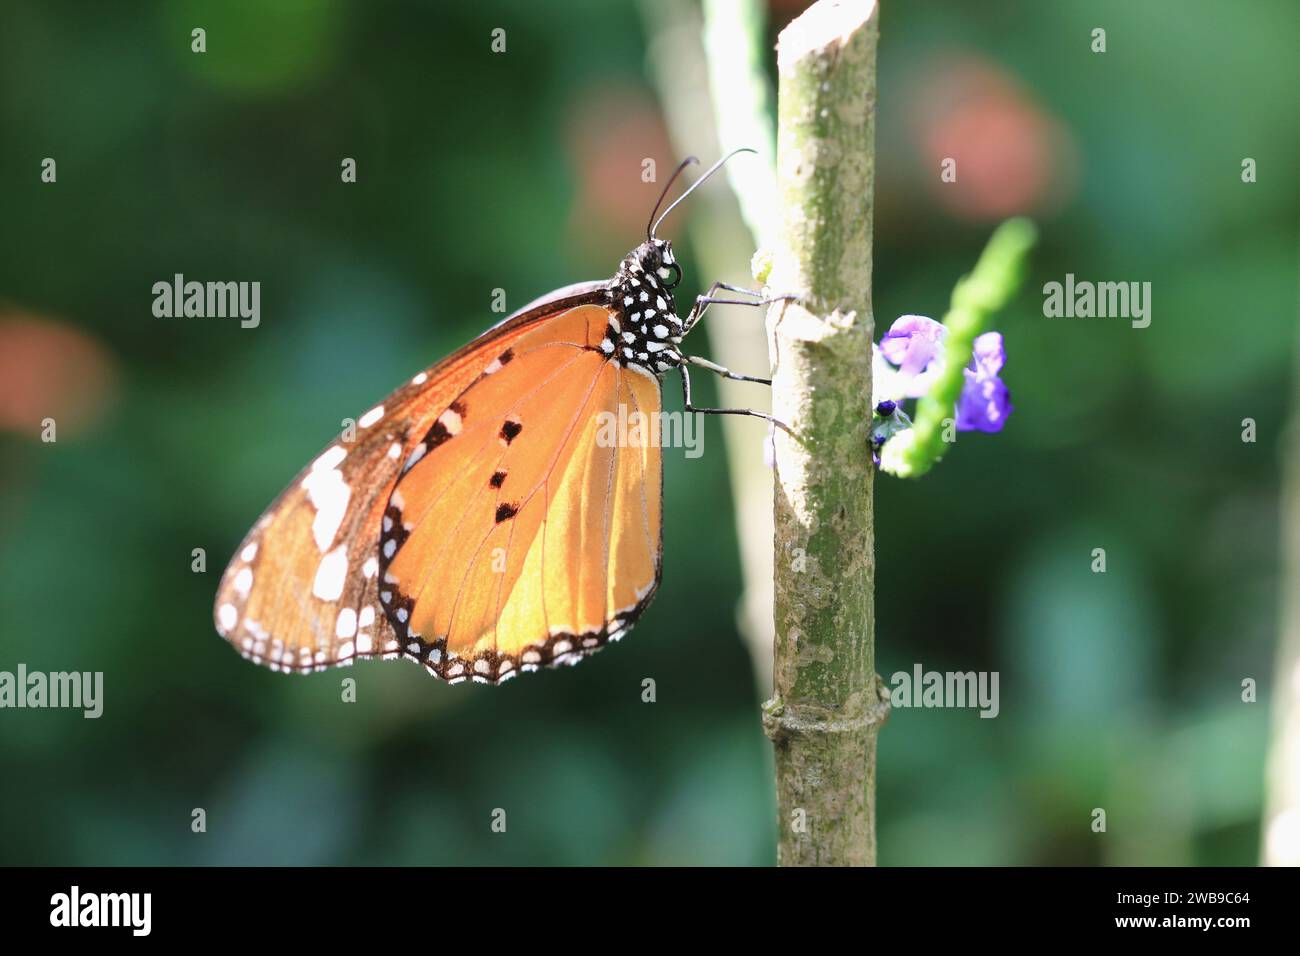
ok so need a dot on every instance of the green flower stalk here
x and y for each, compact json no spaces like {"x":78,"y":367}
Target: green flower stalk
{"x":997,"y":277}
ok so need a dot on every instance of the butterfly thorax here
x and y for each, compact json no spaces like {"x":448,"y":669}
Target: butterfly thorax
{"x":644,"y":330}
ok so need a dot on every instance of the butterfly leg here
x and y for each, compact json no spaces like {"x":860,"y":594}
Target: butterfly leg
{"x":725,"y":372}
{"x":703,"y":302}
{"x":690,"y":407}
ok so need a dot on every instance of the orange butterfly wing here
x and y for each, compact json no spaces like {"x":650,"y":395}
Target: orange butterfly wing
{"x":524,"y":532}
{"x":301,"y":592}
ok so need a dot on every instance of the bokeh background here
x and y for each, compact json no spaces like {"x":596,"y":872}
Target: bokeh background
{"x":522,"y":171}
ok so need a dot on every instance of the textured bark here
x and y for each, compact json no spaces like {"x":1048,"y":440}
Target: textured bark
{"x":827,"y":702}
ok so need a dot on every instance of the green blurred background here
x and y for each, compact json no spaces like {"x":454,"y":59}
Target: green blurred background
{"x":522,"y":171}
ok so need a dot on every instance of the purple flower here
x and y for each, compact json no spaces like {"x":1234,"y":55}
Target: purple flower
{"x":915,"y":344}
{"x":985,"y":401}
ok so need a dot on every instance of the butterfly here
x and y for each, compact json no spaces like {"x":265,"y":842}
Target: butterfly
{"x":474,"y":523}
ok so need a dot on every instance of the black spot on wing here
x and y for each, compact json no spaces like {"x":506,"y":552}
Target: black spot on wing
{"x":497,"y":478}
{"x":439,"y":433}
{"x":506,"y":511}
{"x":510,"y":430}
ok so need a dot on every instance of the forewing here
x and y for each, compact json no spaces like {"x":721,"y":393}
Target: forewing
{"x":528,"y":532}
{"x":301,"y":592}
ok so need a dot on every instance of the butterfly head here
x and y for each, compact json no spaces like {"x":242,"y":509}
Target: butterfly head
{"x":656,"y":258}
{"x":644,"y":330}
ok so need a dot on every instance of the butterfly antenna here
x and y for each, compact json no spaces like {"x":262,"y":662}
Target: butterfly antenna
{"x":689,"y":160}
{"x":695,"y":185}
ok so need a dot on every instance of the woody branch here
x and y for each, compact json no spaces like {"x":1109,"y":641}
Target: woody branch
{"x":827,"y":704}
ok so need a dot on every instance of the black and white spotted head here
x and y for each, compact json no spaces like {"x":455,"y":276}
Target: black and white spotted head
{"x":644,"y":330}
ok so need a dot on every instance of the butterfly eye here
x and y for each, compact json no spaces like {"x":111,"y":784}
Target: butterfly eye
{"x":676,"y":274}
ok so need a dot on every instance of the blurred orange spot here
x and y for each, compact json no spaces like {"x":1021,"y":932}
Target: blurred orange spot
{"x":1012,"y":156}
{"x":51,"y":370}
{"x":611,"y":135}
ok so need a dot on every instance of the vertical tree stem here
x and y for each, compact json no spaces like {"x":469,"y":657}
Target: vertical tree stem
{"x":827,"y":703}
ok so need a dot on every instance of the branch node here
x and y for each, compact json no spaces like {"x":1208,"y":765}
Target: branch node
{"x":782,"y":721}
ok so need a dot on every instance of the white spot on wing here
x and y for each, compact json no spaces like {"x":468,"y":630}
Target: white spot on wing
{"x":329,"y":495}
{"x":416,"y":454}
{"x":330,"y":458}
{"x":451,"y":421}
{"x":372,"y":416}
{"x":228,"y":616}
{"x":346,"y":626}
{"x":331,"y":575}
